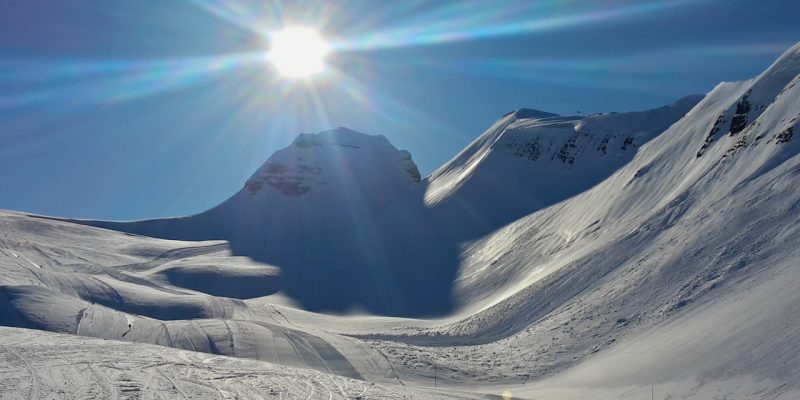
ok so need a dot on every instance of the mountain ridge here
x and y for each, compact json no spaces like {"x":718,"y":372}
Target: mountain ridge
{"x":302,"y":208}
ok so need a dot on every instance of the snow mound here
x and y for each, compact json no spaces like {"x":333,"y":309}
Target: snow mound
{"x":219,"y":279}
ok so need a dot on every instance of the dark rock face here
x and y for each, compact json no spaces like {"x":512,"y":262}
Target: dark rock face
{"x":413,"y":172}
{"x":567,"y":154}
{"x":739,"y":121}
{"x":316,"y":160}
{"x":410,"y":167}
{"x":253,"y":186}
{"x":785,"y":136}
{"x":290,"y":188}
{"x":628,"y":143}
{"x":291,"y":180}
{"x":711,"y":135}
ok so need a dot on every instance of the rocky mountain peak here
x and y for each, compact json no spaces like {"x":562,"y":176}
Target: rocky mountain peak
{"x":337,"y":155}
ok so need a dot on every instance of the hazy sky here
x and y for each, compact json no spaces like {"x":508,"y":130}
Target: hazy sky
{"x":123,"y":109}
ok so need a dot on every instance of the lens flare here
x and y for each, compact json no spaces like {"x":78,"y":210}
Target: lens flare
{"x":457,"y":23}
{"x":298,"y":52}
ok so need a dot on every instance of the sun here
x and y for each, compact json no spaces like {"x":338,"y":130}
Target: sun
{"x":298,"y":52}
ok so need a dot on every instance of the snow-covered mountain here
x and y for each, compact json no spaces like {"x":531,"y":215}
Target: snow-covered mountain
{"x":679,"y":264}
{"x":320,"y":182}
{"x":607,"y":256}
{"x":529,"y":160}
{"x":341,"y":206}
{"x":315,"y":161}
{"x":304,"y":210}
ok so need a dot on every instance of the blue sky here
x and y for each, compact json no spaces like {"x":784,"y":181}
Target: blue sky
{"x":121,"y":109}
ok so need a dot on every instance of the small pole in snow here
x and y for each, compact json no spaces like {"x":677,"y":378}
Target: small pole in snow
{"x":434,"y":375}
{"x":652,"y":392}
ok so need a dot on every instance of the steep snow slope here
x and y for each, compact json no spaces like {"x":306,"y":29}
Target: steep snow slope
{"x":685,"y":263}
{"x":525,"y":160}
{"x":521,"y":165}
{"x":666,"y":172}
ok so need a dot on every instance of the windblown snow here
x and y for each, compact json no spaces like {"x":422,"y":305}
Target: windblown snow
{"x":614,"y":256}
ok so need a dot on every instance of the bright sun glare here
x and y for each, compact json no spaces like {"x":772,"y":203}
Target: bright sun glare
{"x":298,"y":52}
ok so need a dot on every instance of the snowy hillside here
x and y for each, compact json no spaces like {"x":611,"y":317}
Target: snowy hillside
{"x":102,"y":369}
{"x":67,"y":278}
{"x":675,"y":264}
{"x":609,"y":256}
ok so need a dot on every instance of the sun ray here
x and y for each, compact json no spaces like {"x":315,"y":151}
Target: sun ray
{"x":80,"y":83}
{"x":453,"y":24}
{"x":254,"y":18}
